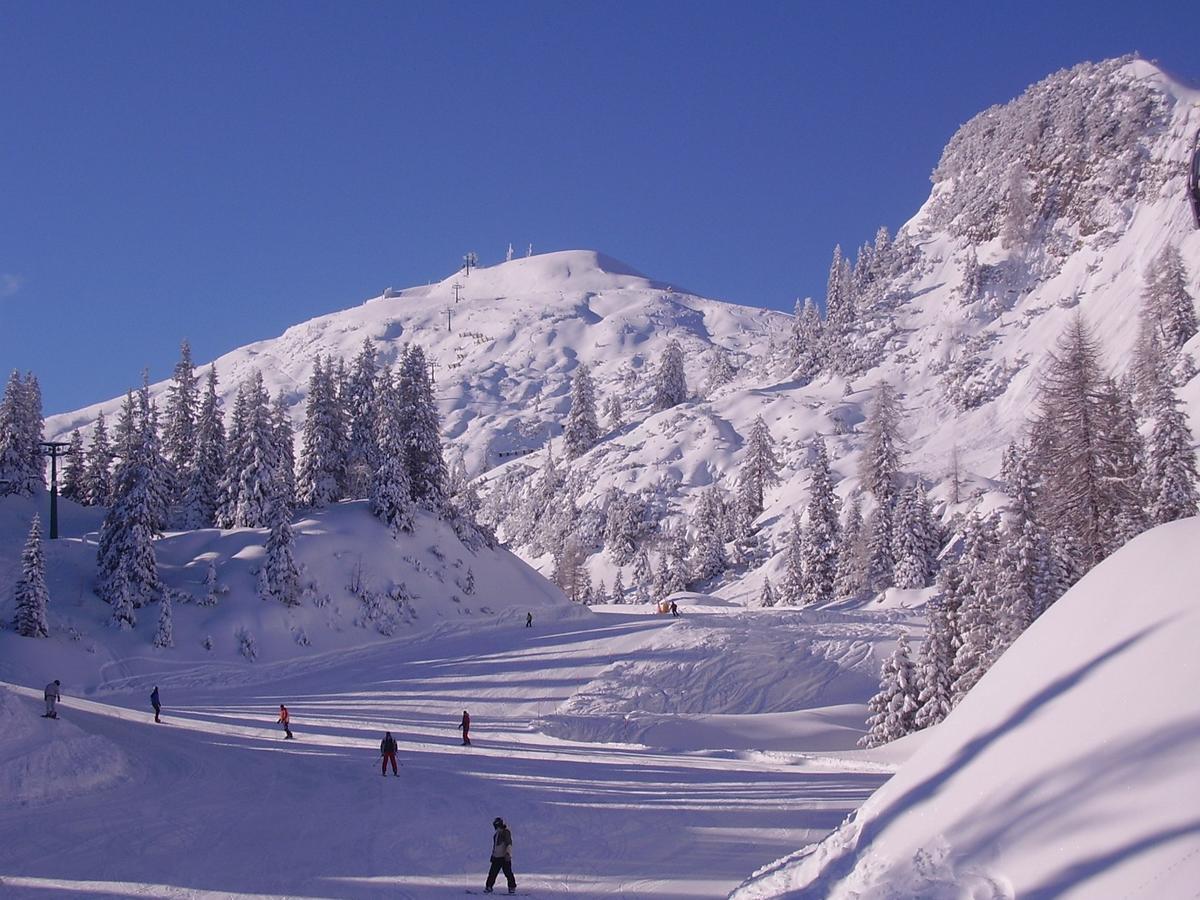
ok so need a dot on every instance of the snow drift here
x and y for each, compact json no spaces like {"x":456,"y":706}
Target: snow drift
{"x":1069,"y":771}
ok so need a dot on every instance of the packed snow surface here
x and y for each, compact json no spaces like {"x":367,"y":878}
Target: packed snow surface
{"x":1068,"y":772}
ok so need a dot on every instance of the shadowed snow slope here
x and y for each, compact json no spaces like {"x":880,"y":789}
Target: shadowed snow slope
{"x":1069,"y":771}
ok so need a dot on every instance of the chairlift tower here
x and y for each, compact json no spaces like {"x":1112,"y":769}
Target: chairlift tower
{"x":457,"y":291}
{"x":54,"y":449}
{"x":469,"y":259}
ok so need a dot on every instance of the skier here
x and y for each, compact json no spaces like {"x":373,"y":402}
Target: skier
{"x":154,"y":702}
{"x":528,"y":620}
{"x":387,"y":747}
{"x":285,"y":720}
{"x":501,"y":857}
{"x":674,"y":610}
{"x":52,"y":696}
{"x":465,"y":728}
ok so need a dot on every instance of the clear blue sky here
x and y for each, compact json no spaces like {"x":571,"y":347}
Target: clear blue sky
{"x":222,"y":170}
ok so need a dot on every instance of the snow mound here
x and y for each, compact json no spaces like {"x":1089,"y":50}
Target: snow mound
{"x":43,"y":760}
{"x":1069,"y":771}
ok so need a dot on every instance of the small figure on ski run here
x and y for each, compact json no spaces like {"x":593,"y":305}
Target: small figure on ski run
{"x":501,"y":857}
{"x":52,"y":696}
{"x":465,"y":727}
{"x":528,"y":620}
{"x":156,"y":704}
{"x":285,"y":721}
{"x":674,"y":610}
{"x":387,"y":747}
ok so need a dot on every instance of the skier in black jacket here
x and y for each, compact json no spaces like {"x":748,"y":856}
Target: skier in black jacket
{"x":156,"y":704}
{"x":387,"y":748}
{"x":501,"y":857}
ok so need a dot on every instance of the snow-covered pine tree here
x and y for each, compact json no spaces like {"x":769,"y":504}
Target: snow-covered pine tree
{"x":322,"y":468}
{"x":766,"y":597}
{"x":180,"y":434}
{"x":818,"y":544}
{"x":21,"y":462}
{"x":341,"y":420}
{"x":391,"y":494}
{"x":1169,"y":297}
{"x":670,"y":383}
{"x":31,"y":597}
{"x":934,"y":667}
{"x":914,"y":541}
{"x":97,"y":476}
{"x":285,"y":451}
{"x":614,"y":412}
{"x":977,"y":617}
{"x":881,"y":457}
{"x":71,"y":486}
{"x":618,"y":588}
{"x":279,"y":579}
{"x":581,"y":431}
{"x":212,"y":588}
{"x":708,"y":551}
{"x":620,"y":529}
{"x":839,"y":298}
{"x":127,"y":570}
{"x":162,"y":479}
{"x":877,"y":547}
{"x":643,"y":577}
{"x":164,"y":636}
{"x":1027,"y":573}
{"x":791,"y":587}
{"x":1123,"y":461}
{"x":849,"y":577}
{"x":422,"y":433}
{"x":203,"y":493}
{"x":124,"y":616}
{"x":362,"y":409}
{"x":759,"y":470}
{"x":894,"y":708}
{"x":1171,"y":477}
{"x":679,"y":550}
{"x":252,"y":476}
{"x":807,"y":339}
{"x":720,"y":371}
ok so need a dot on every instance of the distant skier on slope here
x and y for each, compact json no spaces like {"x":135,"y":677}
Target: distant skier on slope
{"x":387,"y":748}
{"x":52,"y":696}
{"x":156,"y":704}
{"x":674,"y":610}
{"x":528,"y":620}
{"x":501,"y":857}
{"x":465,"y":727}
{"x":285,"y":721}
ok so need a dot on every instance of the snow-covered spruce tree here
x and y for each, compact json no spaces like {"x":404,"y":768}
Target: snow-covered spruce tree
{"x":841,"y":315}
{"x":1171,"y":477}
{"x":1123,"y":513}
{"x":934,"y":667}
{"x":759,"y":470}
{"x":164,"y":636}
{"x":618,"y":588}
{"x":422,"y":433}
{"x":849,"y":577}
{"x":212,"y":588}
{"x":279,"y":578}
{"x":670,"y":384}
{"x":71,"y":486}
{"x":643,"y":577}
{"x":97,"y":475}
{"x":21,"y":463}
{"x":894,"y":708}
{"x":149,"y":443}
{"x":791,"y":587}
{"x":203,"y":493}
{"x":31,"y":597}
{"x":818,"y":543}
{"x":391,"y":493}
{"x":127,"y":571}
{"x":720,"y":371}
{"x":1028,"y":585}
{"x":581,"y":431}
{"x":362,"y":460}
{"x":614,"y":412}
{"x":806,"y":355}
{"x":877,"y":549}
{"x":179,"y":433}
{"x":1169,"y":298}
{"x":766,"y":597}
{"x":620,"y":529}
{"x":977,"y":617}
{"x":971,"y":287}
{"x":914,"y":540}
{"x":285,"y":451}
{"x":880,"y":466}
{"x":679,"y":550}
{"x":124,"y":616}
{"x":251,"y":482}
{"x":322,"y":467}
{"x":708,"y":551}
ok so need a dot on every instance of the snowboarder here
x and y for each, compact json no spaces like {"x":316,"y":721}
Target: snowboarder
{"x":285,"y":721}
{"x":528,"y":620}
{"x":501,"y":857}
{"x":674,"y":610}
{"x":387,"y":747}
{"x":52,"y":696}
{"x":465,"y":728}
{"x":155,"y":703}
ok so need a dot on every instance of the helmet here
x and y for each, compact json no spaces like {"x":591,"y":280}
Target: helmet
{"x":497,"y":822}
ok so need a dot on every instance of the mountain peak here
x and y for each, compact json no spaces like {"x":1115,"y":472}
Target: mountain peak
{"x":561,"y":270}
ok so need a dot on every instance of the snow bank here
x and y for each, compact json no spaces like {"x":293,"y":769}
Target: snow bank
{"x":43,"y":760}
{"x":1069,"y":771}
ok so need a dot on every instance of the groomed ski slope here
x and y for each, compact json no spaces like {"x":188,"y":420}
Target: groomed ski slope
{"x":215,"y":802}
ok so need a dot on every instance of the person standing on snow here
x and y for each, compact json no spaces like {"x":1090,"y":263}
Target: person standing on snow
{"x":674,"y":610}
{"x":465,"y":727}
{"x":52,"y":696}
{"x":528,"y":620}
{"x":501,"y":857}
{"x":285,"y":721}
{"x":387,"y":747}
{"x":154,"y":702}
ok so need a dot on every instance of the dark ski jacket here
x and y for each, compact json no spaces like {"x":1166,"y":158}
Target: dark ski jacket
{"x":502,"y":844}
{"x":387,"y":745}
{"x":154,"y":699}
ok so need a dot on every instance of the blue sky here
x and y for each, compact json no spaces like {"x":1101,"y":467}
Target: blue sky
{"x":219,"y":171}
